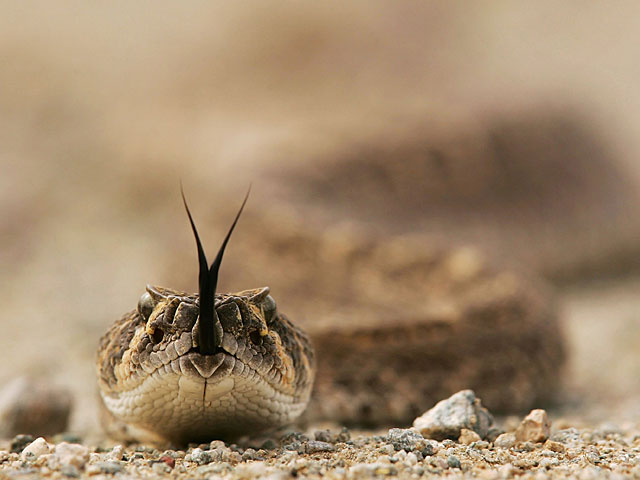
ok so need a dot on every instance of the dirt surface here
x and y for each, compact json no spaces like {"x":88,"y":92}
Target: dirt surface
{"x":604,"y":452}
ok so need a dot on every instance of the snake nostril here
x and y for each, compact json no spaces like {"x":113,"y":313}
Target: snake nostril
{"x":157,"y":335}
{"x":255,"y":337}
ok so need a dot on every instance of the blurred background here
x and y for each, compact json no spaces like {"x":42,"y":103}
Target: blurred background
{"x":512,"y":128}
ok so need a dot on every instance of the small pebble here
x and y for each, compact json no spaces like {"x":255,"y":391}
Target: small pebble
{"x":269,"y":444}
{"x":448,"y":417}
{"x":105,"y":467}
{"x":116,"y":453}
{"x":569,"y":437}
{"x":323,"y":436}
{"x":216,"y":444}
{"x":467,"y":437}
{"x":36,"y":448}
{"x":535,"y":427}
{"x":506,"y":440}
{"x":344,"y":435}
{"x":554,"y":446}
{"x":69,"y":454}
{"x":453,"y":462}
{"x":405,"y":439}
{"x":168,"y":460}
{"x":70,"y":471}
{"x":526,"y":446}
{"x":161,"y":468}
{"x":493,"y":433}
{"x":20,"y":441}
{"x":199,"y":456}
{"x":411,"y":459}
{"x":314,"y":446}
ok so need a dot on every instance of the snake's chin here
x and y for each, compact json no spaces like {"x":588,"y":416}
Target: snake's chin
{"x":204,"y":397}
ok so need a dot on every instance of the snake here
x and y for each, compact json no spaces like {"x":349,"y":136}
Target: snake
{"x":391,"y":327}
{"x":186,"y":367}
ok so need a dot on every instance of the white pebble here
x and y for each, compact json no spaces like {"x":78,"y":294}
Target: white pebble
{"x":36,"y":448}
{"x":411,"y":459}
{"x":116,"y":453}
{"x":69,"y":454}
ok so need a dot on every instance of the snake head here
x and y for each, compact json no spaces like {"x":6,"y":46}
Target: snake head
{"x":169,"y":313}
{"x":192,"y":367}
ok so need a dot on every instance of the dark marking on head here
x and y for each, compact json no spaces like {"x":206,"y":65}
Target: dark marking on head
{"x":207,"y":282}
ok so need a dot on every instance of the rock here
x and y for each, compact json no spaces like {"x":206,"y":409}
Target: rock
{"x":30,"y":407}
{"x":249,"y":454}
{"x":116,"y":453}
{"x":323,"y":435}
{"x":110,"y":467}
{"x":36,"y":448}
{"x":493,"y":433}
{"x":412,"y":459}
{"x":467,"y":437}
{"x":405,"y":439}
{"x":70,"y":471}
{"x":160,"y":468}
{"x":569,"y":437}
{"x":69,"y":454}
{"x":453,"y":462}
{"x":315,"y":446}
{"x":199,"y":456}
{"x":506,"y":471}
{"x":169,"y":461}
{"x":216,"y":444}
{"x":535,"y":427}
{"x":555,"y":446}
{"x":332,"y":437}
{"x":20,"y":441}
{"x":448,"y":417}
{"x":269,"y":444}
{"x":506,"y":440}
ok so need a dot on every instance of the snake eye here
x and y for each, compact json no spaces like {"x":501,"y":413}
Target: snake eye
{"x":255,"y":337}
{"x":158,"y":335}
{"x":145,"y":305}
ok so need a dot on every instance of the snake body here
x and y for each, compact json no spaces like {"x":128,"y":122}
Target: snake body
{"x":397,"y":325}
{"x":156,"y":385}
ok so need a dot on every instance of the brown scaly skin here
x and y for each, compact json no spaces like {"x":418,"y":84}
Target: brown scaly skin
{"x":155,"y":385}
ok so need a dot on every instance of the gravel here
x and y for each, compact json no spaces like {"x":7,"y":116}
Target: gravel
{"x":404,"y":453}
{"x":531,"y":449}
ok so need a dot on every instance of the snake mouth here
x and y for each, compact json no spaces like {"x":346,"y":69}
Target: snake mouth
{"x":222,"y":363}
{"x":211,"y":367}
{"x":199,"y":351}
